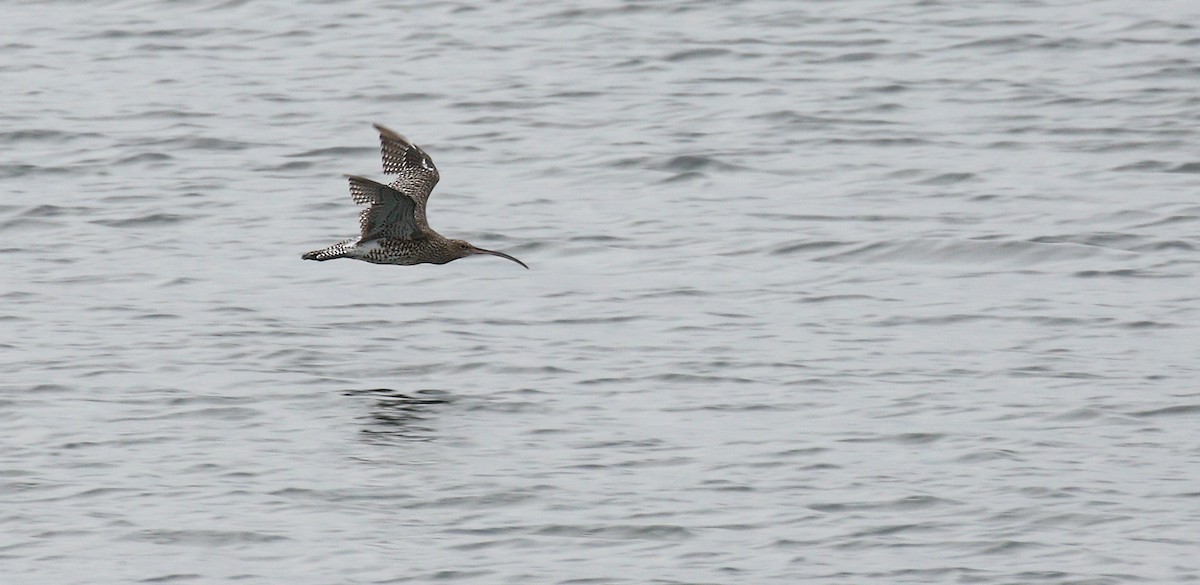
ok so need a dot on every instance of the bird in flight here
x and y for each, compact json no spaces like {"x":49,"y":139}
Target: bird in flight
{"x":393,"y":226}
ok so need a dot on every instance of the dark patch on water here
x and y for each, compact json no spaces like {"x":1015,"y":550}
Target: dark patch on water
{"x":1189,"y":168}
{"x":1181,"y":410}
{"x":691,"y":54}
{"x":947,"y":179}
{"x":335,"y":152}
{"x":152,"y":219}
{"x":400,"y":416}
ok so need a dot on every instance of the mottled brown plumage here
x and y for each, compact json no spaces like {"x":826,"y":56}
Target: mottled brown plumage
{"x":393,"y":228}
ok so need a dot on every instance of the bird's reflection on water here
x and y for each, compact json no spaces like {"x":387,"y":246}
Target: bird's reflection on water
{"x":396,"y":416}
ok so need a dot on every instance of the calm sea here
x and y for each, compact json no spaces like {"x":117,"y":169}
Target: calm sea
{"x":821,"y":292}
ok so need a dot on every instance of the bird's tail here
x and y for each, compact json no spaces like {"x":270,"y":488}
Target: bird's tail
{"x":333,"y":252}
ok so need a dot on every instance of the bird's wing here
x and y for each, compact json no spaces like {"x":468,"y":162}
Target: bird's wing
{"x":401,"y":157}
{"x":391,"y":213}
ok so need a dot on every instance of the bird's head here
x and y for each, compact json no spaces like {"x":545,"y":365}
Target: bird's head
{"x":463,"y":248}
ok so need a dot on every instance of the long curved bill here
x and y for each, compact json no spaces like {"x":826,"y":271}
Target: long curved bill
{"x":495,"y":253}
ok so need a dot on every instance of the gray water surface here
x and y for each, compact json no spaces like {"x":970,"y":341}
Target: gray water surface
{"x":828,"y":292}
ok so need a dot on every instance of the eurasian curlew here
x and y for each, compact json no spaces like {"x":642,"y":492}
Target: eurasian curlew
{"x":393,"y":227}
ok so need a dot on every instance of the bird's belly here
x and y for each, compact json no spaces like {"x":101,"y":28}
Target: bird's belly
{"x":382,"y":252}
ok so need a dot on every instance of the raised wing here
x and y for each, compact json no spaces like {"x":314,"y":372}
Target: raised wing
{"x":401,"y":157}
{"x":392,"y":214}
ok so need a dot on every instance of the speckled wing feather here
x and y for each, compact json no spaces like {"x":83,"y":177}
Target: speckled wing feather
{"x":401,"y":157}
{"x":392,"y":214}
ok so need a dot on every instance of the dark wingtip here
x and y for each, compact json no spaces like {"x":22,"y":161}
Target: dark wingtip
{"x":391,"y":133}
